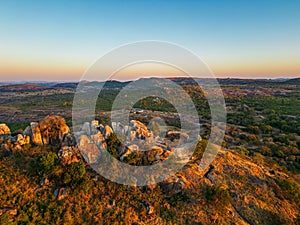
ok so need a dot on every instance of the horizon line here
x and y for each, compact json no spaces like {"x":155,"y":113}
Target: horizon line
{"x":175,"y":77}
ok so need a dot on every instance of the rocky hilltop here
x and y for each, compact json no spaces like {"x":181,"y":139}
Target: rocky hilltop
{"x":233,"y":190}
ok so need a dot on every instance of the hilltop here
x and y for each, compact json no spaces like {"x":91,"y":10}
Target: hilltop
{"x":36,"y":185}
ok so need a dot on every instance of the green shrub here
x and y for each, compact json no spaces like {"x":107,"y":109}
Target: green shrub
{"x":218,"y":196}
{"x":112,"y":145}
{"x":177,"y":198}
{"x":74,"y":173}
{"x":45,"y":163}
{"x":291,"y":190}
{"x":200,"y":148}
{"x":4,"y":219}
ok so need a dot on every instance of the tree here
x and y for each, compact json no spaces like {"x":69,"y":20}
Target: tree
{"x":113,"y":143}
{"x":45,"y":163}
{"x":74,"y":173}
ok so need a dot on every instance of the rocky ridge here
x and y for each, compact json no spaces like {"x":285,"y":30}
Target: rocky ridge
{"x":254,"y":191}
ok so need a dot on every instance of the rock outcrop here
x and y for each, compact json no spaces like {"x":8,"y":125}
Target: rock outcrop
{"x":140,"y":129}
{"x":35,"y":133}
{"x":4,"y":129}
{"x":9,"y":211}
{"x":68,"y":155}
{"x":52,"y":129}
{"x":61,"y":193}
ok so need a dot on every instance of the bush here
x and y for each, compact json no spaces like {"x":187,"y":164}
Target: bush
{"x":83,"y":186}
{"x":291,"y":190}
{"x":177,"y":198}
{"x":4,"y":219}
{"x":74,"y":173}
{"x":113,"y":144}
{"x":45,"y":163}
{"x":200,"y":148}
{"x":258,"y":158}
{"x":218,"y":196}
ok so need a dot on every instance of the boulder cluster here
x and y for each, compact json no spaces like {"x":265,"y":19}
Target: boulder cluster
{"x":135,"y":141}
{"x":52,"y":130}
{"x":92,"y":138}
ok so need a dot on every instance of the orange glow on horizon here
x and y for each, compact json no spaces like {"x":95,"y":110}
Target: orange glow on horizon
{"x":54,"y":70}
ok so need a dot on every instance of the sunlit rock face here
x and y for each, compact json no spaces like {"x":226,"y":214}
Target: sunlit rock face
{"x":35,"y":133}
{"x":4,"y":129}
{"x":52,"y":129}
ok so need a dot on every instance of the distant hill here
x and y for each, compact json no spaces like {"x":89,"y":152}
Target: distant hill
{"x":71,"y":85}
{"x":295,"y":81}
{"x":36,"y":86}
{"x":23,"y":88}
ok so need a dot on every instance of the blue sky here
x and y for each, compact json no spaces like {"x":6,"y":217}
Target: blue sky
{"x":60,"y":39}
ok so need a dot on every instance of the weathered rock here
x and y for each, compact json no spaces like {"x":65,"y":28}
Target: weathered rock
{"x":94,"y":126}
{"x":9,"y":211}
{"x":22,"y":140}
{"x":149,"y":208}
{"x":4,"y":129}
{"x":27,"y":131}
{"x":103,"y":145}
{"x":6,"y":149}
{"x":128,"y":150}
{"x":140,"y":128}
{"x":52,"y":129}
{"x":69,"y":140}
{"x":89,"y":151}
{"x":83,"y":141}
{"x":35,"y":134}
{"x":108,"y":131}
{"x":68,"y":155}
{"x":157,"y":149}
{"x":132,"y":135}
{"x":133,"y":148}
{"x":97,"y":138}
{"x":114,"y":126}
{"x":126,"y":130}
{"x":173,"y":135}
{"x":44,"y":181}
{"x":61,"y":193}
{"x":86,"y":128}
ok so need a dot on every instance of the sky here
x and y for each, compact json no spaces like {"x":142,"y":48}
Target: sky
{"x":59,"y":40}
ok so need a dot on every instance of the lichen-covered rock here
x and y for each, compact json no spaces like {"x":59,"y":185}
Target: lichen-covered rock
{"x":68,"y":155}
{"x":52,"y":129}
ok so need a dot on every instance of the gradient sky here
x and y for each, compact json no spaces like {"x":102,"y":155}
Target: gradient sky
{"x":58,"y":40}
